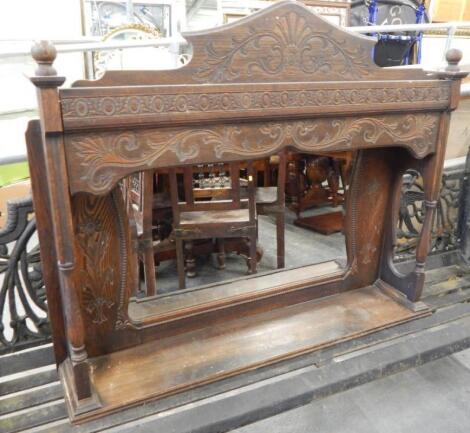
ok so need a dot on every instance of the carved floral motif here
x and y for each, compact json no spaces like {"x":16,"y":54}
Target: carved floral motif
{"x":76,"y":108}
{"x":93,"y":241}
{"x":288,"y":43}
{"x":101,"y":159}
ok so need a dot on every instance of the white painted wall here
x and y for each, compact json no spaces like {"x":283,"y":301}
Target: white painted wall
{"x":32,"y":19}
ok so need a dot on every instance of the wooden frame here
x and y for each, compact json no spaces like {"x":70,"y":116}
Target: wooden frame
{"x":280,"y":79}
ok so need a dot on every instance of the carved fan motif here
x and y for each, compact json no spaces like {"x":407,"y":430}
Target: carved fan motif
{"x":287,"y":43}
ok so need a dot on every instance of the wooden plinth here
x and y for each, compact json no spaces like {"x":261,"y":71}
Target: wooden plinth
{"x":185,"y":361}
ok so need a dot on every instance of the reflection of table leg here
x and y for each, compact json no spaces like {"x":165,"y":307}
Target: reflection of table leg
{"x":190,"y":260}
{"x":333,"y":180}
{"x":220,"y":242}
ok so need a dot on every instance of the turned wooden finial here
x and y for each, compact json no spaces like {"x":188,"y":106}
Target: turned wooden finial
{"x":44,"y":53}
{"x":453,"y":57}
{"x":452,"y":71}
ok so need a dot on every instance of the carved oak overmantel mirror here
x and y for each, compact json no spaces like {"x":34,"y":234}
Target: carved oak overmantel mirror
{"x":281,"y":82}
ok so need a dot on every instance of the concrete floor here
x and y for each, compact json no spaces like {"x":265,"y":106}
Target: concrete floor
{"x":432,"y":398}
{"x":303,"y":247}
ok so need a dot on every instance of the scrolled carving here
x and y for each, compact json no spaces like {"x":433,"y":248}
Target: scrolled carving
{"x":288,"y":43}
{"x":97,"y":161}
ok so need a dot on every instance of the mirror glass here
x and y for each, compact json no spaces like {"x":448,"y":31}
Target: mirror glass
{"x":209,"y":233}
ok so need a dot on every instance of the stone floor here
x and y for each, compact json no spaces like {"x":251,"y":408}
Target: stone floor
{"x":432,"y":398}
{"x":303,"y":247}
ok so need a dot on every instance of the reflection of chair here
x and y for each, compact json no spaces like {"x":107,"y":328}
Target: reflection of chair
{"x":227,"y":215}
{"x":270,"y":200}
{"x":140,"y":192}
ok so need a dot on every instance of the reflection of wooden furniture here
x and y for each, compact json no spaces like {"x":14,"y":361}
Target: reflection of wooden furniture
{"x":326,"y":224}
{"x":140,"y":194}
{"x":151,"y":209}
{"x":307,"y":175}
{"x":270,"y":200}
{"x":226,"y":216}
{"x":232,"y":102}
{"x":318,"y":170}
{"x":210,"y":182}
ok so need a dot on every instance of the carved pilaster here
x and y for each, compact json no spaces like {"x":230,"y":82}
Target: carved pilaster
{"x":46,"y":82}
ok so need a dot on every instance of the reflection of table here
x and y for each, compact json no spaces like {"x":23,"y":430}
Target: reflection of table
{"x":315,"y":180}
{"x":306,"y":177}
{"x":326,"y":224}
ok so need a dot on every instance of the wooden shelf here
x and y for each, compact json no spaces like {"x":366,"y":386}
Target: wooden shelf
{"x":208,"y":354}
{"x":160,"y":307}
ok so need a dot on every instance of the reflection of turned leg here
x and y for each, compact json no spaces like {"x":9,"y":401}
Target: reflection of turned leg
{"x":190,"y":261}
{"x":220,"y":253}
{"x":252,"y":259}
{"x":180,"y":263}
{"x":333,"y":181}
{"x":280,"y":240}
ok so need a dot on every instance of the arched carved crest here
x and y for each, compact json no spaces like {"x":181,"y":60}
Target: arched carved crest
{"x":284,"y":42}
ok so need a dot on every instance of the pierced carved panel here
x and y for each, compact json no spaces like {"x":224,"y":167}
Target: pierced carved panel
{"x":97,"y":161}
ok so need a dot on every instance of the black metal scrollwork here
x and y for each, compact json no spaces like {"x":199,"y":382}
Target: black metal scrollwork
{"x":23,"y":307}
{"x":412,"y":210}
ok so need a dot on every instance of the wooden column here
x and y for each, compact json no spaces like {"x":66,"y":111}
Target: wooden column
{"x":431,"y":170}
{"x":47,"y":82}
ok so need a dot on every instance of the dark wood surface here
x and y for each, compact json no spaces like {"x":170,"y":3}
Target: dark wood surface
{"x":202,"y":356}
{"x":446,"y":292}
{"x":252,"y":103}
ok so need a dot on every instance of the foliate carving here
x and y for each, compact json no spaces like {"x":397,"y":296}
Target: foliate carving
{"x":93,"y":241}
{"x":94,"y":107}
{"x":97,"y":161}
{"x":98,"y":154}
{"x":104,"y":264}
{"x":346,"y":133}
{"x":287,"y":43}
{"x":122,"y":319}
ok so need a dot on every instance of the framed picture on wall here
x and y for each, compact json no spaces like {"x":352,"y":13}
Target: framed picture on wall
{"x":124,"y":21}
{"x":336,"y":12}
{"x":231,"y":17}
